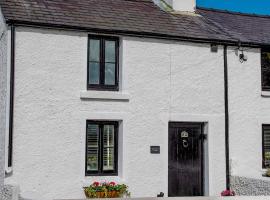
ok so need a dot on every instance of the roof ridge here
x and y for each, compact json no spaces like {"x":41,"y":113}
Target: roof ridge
{"x":232,"y":12}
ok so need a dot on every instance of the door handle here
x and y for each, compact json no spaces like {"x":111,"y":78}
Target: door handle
{"x":203,"y":137}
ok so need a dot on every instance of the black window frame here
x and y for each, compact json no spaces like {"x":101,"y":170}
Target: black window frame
{"x":263,"y":50}
{"x":100,"y":171}
{"x":101,"y":85}
{"x":264,"y":127}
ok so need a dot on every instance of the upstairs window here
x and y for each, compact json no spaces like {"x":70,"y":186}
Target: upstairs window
{"x":266,"y":146}
{"x":103,"y":53}
{"x":101,"y":148}
{"x":265,"y":64}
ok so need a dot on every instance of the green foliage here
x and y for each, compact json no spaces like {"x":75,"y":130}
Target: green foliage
{"x":106,"y":190}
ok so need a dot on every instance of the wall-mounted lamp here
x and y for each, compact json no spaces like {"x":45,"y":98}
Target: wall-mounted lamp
{"x":242,"y":57}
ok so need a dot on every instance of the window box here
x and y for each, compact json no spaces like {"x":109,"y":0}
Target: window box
{"x":106,"y":190}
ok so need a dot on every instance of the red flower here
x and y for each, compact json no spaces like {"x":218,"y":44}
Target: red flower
{"x":227,"y":193}
{"x":96,"y":184}
{"x":112,"y":183}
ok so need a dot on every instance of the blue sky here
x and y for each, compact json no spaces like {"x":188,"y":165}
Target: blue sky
{"x":244,"y":6}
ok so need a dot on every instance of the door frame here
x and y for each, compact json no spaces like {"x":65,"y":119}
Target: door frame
{"x":203,"y":126}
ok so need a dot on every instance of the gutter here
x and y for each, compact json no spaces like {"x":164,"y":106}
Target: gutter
{"x":232,"y":42}
{"x":226,"y":104}
{"x":11,"y":100}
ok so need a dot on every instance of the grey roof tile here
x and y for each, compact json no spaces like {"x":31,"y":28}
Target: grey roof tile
{"x":139,"y":16}
{"x":247,"y":28}
{"x":115,"y":15}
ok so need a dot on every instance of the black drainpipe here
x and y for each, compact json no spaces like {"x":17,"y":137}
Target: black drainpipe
{"x":226,"y":102}
{"x":11,"y":101}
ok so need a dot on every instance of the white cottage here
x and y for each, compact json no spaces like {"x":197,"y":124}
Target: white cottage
{"x":162,"y":96}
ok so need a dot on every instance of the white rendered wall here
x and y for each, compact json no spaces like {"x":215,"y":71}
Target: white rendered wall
{"x":166,"y":81}
{"x":248,"y":111}
{"x":3,"y":95}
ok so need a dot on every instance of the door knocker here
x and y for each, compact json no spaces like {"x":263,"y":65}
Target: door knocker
{"x":185,"y":143}
{"x":184,"y":136}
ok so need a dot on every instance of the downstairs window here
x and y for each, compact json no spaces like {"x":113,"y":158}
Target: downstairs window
{"x":266,"y":146}
{"x":101,"y":148}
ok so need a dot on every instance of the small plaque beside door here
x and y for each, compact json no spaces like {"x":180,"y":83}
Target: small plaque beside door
{"x":155,"y":149}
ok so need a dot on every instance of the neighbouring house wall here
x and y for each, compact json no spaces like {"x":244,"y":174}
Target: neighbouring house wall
{"x":249,"y":109}
{"x":165,"y":80}
{"x":3,"y":88}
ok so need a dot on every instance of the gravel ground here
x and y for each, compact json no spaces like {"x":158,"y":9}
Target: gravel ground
{"x":6,"y":194}
{"x":250,"y":187}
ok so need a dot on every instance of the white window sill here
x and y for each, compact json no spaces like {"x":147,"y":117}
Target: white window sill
{"x":104,"y":95}
{"x":266,"y":94}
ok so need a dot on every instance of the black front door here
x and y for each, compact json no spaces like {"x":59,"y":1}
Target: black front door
{"x":185,"y":159}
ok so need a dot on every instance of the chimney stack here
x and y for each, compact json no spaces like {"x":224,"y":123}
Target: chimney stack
{"x":182,"y":5}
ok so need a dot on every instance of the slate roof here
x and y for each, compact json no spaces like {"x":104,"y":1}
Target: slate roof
{"x":133,"y":16}
{"x":248,"y":28}
{"x":138,"y":17}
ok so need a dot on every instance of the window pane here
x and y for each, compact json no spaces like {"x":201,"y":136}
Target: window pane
{"x":266,"y":70}
{"x":108,"y":147}
{"x":267,"y":147}
{"x":110,"y":51}
{"x":94,"y":69}
{"x":94,"y":50}
{"x":108,"y":136}
{"x":92,"y":147}
{"x":109,"y":74}
{"x":108,"y":159}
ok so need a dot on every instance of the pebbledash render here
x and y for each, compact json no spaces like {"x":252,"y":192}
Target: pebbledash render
{"x":171,"y":99}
